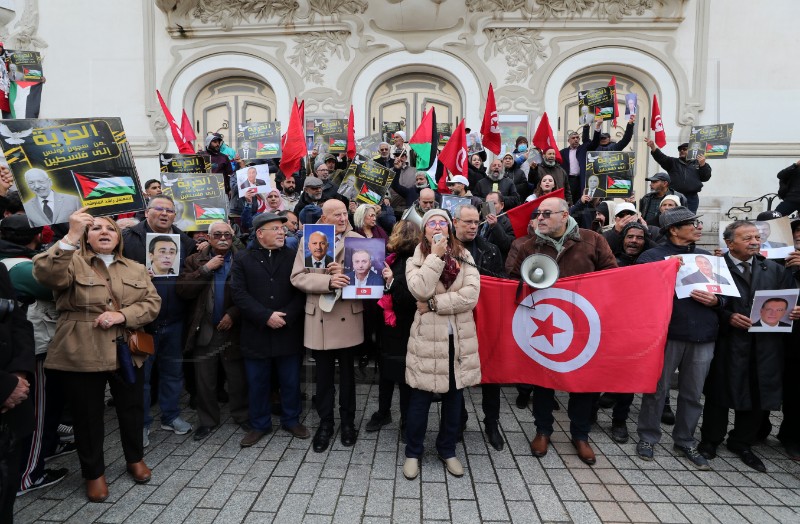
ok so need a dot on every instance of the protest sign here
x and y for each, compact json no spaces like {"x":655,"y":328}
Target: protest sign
{"x":62,"y":165}
{"x":163,"y":257}
{"x":253,"y":177}
{"x":388,"y":129}
{"x":319,"y":245}
{"x":367,"y":180}
{"x":609,"y":174}
{"x":711,"y":141}
{"x":363,"y":264}
{"x":444,"y":131}
{"x":25,"y":66}
{"x":175,"y":165}
{"x":704,"y":273}
{"x":200,"y":200}
{"x":369,"y":146}
{"x":259,"y":140}
{"x":771,"y":310}
{"x":451,"y":202}
{"x":596,"y":102}
{"x":331,"y":135}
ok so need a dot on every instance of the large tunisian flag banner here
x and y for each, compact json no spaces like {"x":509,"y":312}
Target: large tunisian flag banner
{"x":584,"y":334}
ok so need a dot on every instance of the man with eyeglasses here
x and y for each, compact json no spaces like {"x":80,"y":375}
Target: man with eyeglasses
{"x":691,"y":336}
{"x":167,"y":329}
{"x":212,"y":332}
{"x":577,"y":251}
{"x":686,"y":176}
{"x":384,"y":158}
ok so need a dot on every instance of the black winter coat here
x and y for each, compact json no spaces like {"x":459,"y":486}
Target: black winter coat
{"x":744,"y":361}
{"x":685,"y":177}
{"x":487,"y":257}
{"x":394,"y":340}
{"x":260,"y":285}
{"x":789,"y":185}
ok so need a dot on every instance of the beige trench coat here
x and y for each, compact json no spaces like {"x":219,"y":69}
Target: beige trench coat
{"x":427,"y":360}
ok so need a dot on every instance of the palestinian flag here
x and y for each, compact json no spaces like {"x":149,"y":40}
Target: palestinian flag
{"x":208,"y":213}
{"x":25,"y":98}
{"x":425,"y":142}
{"x":95,"y":187}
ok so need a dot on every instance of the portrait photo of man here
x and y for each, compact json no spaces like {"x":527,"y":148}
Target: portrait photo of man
{"x":593,"y":188}
{"x":162,"y":255}
{"x":47,"y":206}
{"x":253,"y":177}
{"x":704,"y":274}
{"x":771,"y":312}
{"x":765,"y":231}
{"x":362,"y":274}
{"x":317,"y":250}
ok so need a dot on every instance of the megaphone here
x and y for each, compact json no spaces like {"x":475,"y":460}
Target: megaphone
{"x":539,"y":271}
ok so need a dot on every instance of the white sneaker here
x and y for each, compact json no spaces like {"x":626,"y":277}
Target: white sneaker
{"x":411,"y":468}
{"x":454,"y":466}
{"x":145,"y":437}
{"x":179,"y":426}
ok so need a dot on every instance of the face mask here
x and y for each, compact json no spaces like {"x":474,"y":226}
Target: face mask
{"x":522,"y":148}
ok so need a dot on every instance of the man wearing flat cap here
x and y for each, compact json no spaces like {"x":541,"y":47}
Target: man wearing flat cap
{"x":272,"y":326}
{"x":659,"y":188}
{"x":686,"y":176}
{"x":312,"y":194}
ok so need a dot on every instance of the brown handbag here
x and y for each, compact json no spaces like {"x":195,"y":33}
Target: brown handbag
{"x":140,"y":342}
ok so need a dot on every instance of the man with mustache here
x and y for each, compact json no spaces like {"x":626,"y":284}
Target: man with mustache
{"x":496,"y":181}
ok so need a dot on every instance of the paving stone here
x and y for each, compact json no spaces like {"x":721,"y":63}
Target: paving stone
{"x":678,"y":494}
{"x":325,"y":495}
{"x":293,"y":507}
{"x":623,"y":493}
{"x":128,"y":503}
{"x":435,"y":504}
{"x":756,"y":514}
{"x":256,"y":477}
{"x":667,"y":512}
{"x":547,"y":503}
{"x":317,"y":519}
{"x":88,"y":513}
{"x":202,"y":516}
{"x":306,"y":478}
{"x":244,"y":459}
{"x":269,"y":500}
{"x":349,"y":510}
{"x":726,"y":514}
{"x":379,"y":498}
{"x":464,"y":512}
{"x":696,"y":513}
{"x":732,"y":495}
{"x":224,"y":487}
{"x":565,"y":485}
{"x":207,"y":475}
{"x":383,"y":465}
{"x":638,"y":512}
{"x":235,"y":510}
{"x":144,"y":514}
{"x":706,"y":495}
{"x":650,"y":493}
{"x":783,"y":514}
{"x":180,"y":507}
{"x":523,"y":512}
{"x":490,"y":503}
{"x":582,"y":512}
{"x":512,"y":485}
{"x":460,"y":488}
{"x":356,"y":481}
{"x":597,"y":492}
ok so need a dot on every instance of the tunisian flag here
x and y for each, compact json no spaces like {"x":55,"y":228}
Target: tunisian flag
{"x":657,"y":125}
{"x":520,"y":216}
{"x":543,"y":137}
{"x":581,"y":335}
{"x":490,"y":128}
{"x":293,"y":143}
{"x":454,"y":152}
{"x":613,"y":85}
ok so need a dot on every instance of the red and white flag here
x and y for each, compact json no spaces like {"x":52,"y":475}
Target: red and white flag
{"x":184,"y":146}
{"x":613,"y":85}
{"x":657,"y":125}
{"x":293,"y":143}
{"x":490,"y":128}
{"x":581,"y":335}
{"x":454,"y":153}
{"x":520,"y":216}
{"x":543,"y":137}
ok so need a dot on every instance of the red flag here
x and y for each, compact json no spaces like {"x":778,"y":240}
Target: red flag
{"x":441,"y":186}
{"x":613,"y":84}
{"x":351,"y":136}
{"x":520,"y":216}
{"x":657,"y":125}
{"x":543,"y":137}
{"x":454,"y":153}
{"x":490,"y":128}
{"x":572,"y":337}
{"x":183,"y":145}
{"x":301,"y":110}
{"x":186,"y":128}
{"x":293,"y":143}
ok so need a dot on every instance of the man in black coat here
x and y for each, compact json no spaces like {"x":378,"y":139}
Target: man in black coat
{"x":686,"y":176}
{"x":495,"y":181}
{"x":16,"y":371}
{"x":489,"y":262}
{"x":272,"y":326}
{"x":498,"y":229}
{"x":746,"y":373}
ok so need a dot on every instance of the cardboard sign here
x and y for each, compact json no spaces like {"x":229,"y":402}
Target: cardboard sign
{"x":711,"y":141}
{"x":596,"y":102}
{"x":331,"y":135}
{"x":609,"y":174}
{"x":200,"y":200}
{"x":259,"y":141}
{"x":25,"y":66}
{"x":366,"y":181}
{"x":319,"y":245}
{"x":705,"y":273}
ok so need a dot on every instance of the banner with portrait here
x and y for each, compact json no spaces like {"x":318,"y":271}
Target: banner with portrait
{"x":388,"y":129}
{"x":25,"y":66}
{"x":609,"y":174}
{"x":331,"y":135}
{"x":258,"y":141}
{"x":771,"y":310}
{"x":363,"y":264}
{"x":444,"y":131}
{"x":163,"y":257}
{"x":596,"y":102}
{"x":369,"y":146}
{"x":366,"y":181}
{"x":62,"y":165}
{"x":200,"y":200}
{"x":705,"y":273}
{"x":711,"y":141}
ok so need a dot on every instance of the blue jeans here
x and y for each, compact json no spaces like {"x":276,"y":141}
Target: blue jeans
{"x":170,"y":373}
{"x":259,"y":372}
{"x":419,"y":404}
{"x":692,"y":201}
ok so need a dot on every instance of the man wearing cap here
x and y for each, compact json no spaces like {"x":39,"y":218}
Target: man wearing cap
{"x":326,"y":171}
{"x":690,"y":346}
{"x":746,"y":373}
{"x":333,"y":328}
{"x":624,"y":214}
{"x":400,"y":145}
{"x":312,"y":194}
{"x":686,"y":176}
{"x":271,"y":338}
{"x":495,"y":181}
{"x":459,"y":185}
{"x":573,"y":157}
{"x":577,"y":252}
{"x":659,"y":188}
{"x":605,"y":139}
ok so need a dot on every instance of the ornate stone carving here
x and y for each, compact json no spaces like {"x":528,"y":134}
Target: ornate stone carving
{"x":493,"y":6}
{"x":312,"y":51}
{"x":335,"y":8}
{"x":613,"y":10}
{"x":23,"y":35}
{"x":521,"y":47}
{"x":228,"y":13}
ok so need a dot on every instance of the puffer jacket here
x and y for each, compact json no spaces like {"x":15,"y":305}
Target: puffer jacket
{"x":427,"y":360}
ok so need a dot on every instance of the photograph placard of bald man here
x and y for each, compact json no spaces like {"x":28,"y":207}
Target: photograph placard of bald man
{"x":771,"y":309}
{"x":319,"y":245}
{"x":363,"y":263}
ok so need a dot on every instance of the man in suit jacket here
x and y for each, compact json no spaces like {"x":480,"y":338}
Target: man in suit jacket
{"x":318,"y":256}
{"x":573,"y":160}
{"x":705,"y":273}
{"x":772,"y":311}
{"x":48,"y":206}
{"x":252,"y":181}
{"x":361,"y":275}
{"x":593,"y":189}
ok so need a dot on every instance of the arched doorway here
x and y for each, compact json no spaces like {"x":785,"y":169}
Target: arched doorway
{"x":403,"y":98}
{"x":568,"y":118}
{"x":224,"y":104}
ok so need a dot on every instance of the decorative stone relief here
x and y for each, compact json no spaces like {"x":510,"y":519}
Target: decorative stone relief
{"x":335,"y":8}
{"x":312,"y":51}
{"x":493,"y":6}
{"x":23,"y":35}
{"x":613,"y":10}
{"x":521,"y":47}
{"x":229,"y":13}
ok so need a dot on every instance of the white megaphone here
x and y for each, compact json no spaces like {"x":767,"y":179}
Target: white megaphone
{"x":539,"y":271}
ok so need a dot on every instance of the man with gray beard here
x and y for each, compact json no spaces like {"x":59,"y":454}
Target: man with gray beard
{"x":495,"y":181}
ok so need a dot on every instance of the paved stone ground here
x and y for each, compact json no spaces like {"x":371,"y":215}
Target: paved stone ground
{"x":282,"y":480}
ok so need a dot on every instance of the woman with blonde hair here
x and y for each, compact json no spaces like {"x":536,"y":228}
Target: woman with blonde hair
{"x":365,"y":220}
{"x":443,"y":345}
{"x":100,"y":295}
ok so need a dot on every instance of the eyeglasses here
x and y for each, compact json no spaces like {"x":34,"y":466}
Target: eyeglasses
{"x":221,"y":235}
{"x":544,"y":214}
{"x":695,"y":223}
{"x":433,"y":223}
{"x":273,"y":228}
{"x":384,"y":149}
{"x":163,"y":210}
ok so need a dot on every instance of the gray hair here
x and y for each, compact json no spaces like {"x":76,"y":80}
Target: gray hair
{"x":457,"y":211}
{"x":219,"y":223}
{"x":730,"y":229}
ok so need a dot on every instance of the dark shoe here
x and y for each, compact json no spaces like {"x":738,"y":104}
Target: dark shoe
{"x":667,"y":416}
{"x":619,"y":432}
{"x":694,"y":456}
{"x":750,"y":459}
{"x":522,"y":400}
{"x":493,"y":435}
{"x":585,"y":452}
{"x":792,"y":450}
{"x":707,"y":449}
{"x":97,"y":489}
{"x":298,"y":431}
{"x":644,"y":450}
{"x":252,"y":437}
{"x":63,"y":448}
{"x":377,"y":421}
{"x":363,"y":362}
{"x":607,"y":400}
{"x":202,"y":432}
{"x":140,"y":472}
{"x":764,"y":431}
{"x":245,"y":426}
{"x":539,"y":445}
{"x":349,"y":436}
{"x":48,"y":478}
{"x":222,"y":396}
{"x":322,"y":438}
